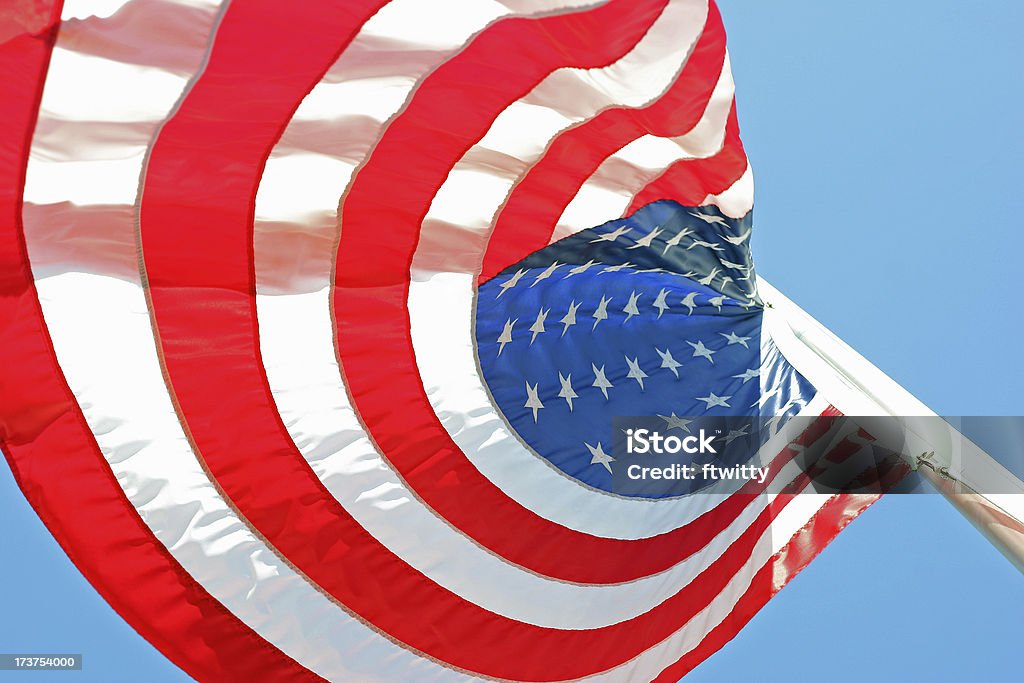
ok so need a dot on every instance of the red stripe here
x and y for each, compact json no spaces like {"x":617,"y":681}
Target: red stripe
{"x":845,"y":449}
{"x":51,"y":451}
{"x":784,"y":565}
{"x":204,"y":169}
{"x":832,"y":411}
{"x":527,"y":220}
{"x":370,"y":299}
{"x":689,"y":182}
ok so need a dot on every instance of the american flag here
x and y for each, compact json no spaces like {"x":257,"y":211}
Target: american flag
{"x":314,"y":316}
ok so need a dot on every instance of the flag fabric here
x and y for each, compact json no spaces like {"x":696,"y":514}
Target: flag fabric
{"x":313,"y":317}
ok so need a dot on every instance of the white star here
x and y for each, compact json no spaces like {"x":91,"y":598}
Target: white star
{"x":511,"y":282}
{"x":711,"y":276}
{"x":726,"y":280}
{"x":674,"y":242}
{"x":674,"y":422}
{"x":570,"y":317}
{"x":532,"y":400}
{"x":707,"y":245}
{"x":506,"y":334}
{"x":630,"y":310}
{"x":739,"y":239}
{"x":735,"y":339}
{"x":612,"y":236}
{"x":602,"y":311}
{"x":748,"y":375}
{"x":635,"y":372}
{"x":717,"y":302}
{"x":599,"y":457}
{"x":660,"y":303}
{"x":689,"y":301}
{"x":646,"y":240}
{"x":735,"y":266}
{"x":547,"y":273}
{"x":615,"y":269}
{"x":700,"y":350}
{"x":793,"y":403}
{"x":579,"y":269}
{"x":712,"y":400}
{"x":735,"y":434}
{"x":538,"y":325}
{"x":567,"y":392}
{"x":710,"y":220}
{"x":667,"y":361}
{"x":600,"y":381}
{"x":760,"y":403}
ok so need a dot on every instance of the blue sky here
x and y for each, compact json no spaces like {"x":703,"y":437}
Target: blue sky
{"x":885,"y":142}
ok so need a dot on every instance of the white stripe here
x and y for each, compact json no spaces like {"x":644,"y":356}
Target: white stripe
{"x":97,"y":95}
{"x":376,"y":98}
{"x":82,"y":87}
{"x":82,"y":9}
{"x":83,"y":183}
{"x":738,"y":199}
{"x":104,"y":9}
{"x":300,"y":187}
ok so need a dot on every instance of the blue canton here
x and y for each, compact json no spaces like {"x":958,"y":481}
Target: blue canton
{"x":654,"y":314}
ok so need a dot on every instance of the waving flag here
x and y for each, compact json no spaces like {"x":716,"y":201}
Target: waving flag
{"x":314,"y":316}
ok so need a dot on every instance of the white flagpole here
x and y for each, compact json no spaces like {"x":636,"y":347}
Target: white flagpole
{"x":984,"y":491}
{"x":988,"y":518}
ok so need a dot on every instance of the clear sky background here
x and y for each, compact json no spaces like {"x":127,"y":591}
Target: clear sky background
{"x":886,"y":143}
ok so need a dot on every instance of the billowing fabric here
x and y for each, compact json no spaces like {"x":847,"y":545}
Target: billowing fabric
{"x":257,"y":259}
